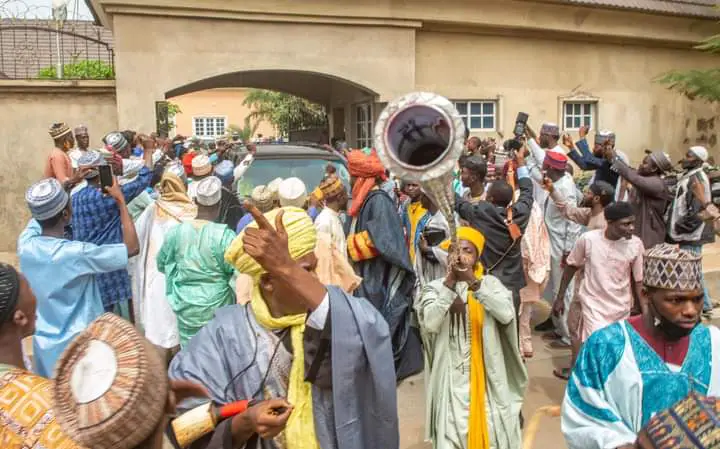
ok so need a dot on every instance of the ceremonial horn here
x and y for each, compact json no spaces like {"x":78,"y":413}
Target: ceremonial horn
{"x":419,"y":137}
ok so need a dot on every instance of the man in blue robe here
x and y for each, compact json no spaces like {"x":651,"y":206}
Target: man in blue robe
{"x":317,"y":361}
{"x":631,"y":370}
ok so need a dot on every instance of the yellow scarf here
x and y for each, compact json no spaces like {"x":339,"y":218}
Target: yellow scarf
{"x":415,"y":213}
{"x":300,"y":428}
{"x":478,"y":437}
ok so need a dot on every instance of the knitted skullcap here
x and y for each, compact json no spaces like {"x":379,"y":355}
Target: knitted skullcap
{"x":668,"y":267}
{"x":111,"y":386}
{"x":46,"y":199}
{"x":58,"y":130}
{"x":117,"y":141}
{"x":292,"y":192}
{"x":262,"y":197}
{"x":9,"y":291}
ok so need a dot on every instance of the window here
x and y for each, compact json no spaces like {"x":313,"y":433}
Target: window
{"x":478,"y":115}
{"x":577,"y":114}
{"x":363,"y":125}
{"x":209,"y":126}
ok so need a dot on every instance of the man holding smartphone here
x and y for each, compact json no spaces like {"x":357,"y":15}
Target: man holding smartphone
{"x":96,"y":219}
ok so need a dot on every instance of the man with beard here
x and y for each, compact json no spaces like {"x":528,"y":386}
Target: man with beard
{"x":650,"y":194}
{"x":685,"y":227}
{"x":612,"y":262}
{"x":635,"y":368}
{"x":376,"y":246}
{"x":595,"y":160}
{"x":546,"y":142}
{"x":414,"y":216}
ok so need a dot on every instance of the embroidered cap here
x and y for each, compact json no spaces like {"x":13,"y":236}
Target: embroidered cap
{"x":209,"y":191}
{"x":262,"y":198}
{"x":81,"y":130}
{"x":117,"y":141}
{"x":671,"y":268}
{"x":201,"y":165}
{"x":58,"y":130}
{"x":111,"y":386}
{"x":46,"y":199}
{"x":691,"y":423}
{"x":292,"y":192}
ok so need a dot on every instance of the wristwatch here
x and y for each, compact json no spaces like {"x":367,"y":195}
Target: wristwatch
{"x":475,"y":285}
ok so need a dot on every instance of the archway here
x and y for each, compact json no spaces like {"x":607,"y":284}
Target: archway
{"x":218,"y":99}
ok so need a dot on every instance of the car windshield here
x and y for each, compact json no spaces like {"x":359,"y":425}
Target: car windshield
{"x":310,"y":171}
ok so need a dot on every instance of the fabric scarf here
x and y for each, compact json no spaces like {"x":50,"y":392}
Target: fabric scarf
{"x":366,"y":168}
{"x":300,"y":428}
{"x":172,"y":189}
{"x":478,"y":434}
{"x":415,"y":213}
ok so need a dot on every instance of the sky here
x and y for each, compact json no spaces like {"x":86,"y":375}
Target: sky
{"x":42,"y":9}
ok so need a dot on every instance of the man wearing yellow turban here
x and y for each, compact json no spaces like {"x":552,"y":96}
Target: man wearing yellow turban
{"x":319,"y":362}
{"x":475,"y":376}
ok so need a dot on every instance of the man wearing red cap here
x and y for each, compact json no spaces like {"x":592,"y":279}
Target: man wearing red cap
{"x":563,"y":233}
{"x":376,"y":246}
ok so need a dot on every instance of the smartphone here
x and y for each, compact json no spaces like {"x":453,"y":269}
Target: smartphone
{"x":106,"y":176}
{"x":520,"y":123}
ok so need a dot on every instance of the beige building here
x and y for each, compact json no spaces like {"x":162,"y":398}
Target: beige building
{"x":568,"y":61}
{"x":208,"y":113}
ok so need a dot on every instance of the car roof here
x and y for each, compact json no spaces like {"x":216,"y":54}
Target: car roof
{"x":295,"y":151}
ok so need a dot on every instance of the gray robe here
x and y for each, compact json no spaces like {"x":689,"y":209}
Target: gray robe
{"x":354,"y":396}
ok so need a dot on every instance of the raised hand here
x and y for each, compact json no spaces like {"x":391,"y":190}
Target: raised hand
{"x":267,"y":245}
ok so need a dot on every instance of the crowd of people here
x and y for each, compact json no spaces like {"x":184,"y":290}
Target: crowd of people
{"x":160,"y":289}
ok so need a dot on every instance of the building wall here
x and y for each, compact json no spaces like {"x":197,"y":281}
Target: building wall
{"x":226,"y":103}
{"x":536,"y":76}
{"x":27,"y":109}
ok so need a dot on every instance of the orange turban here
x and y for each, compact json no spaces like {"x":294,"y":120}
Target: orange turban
{"x":366,"y":168}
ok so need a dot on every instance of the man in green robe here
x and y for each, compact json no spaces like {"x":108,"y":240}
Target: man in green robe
{"x":475,"y":376}
{"x":192,"y":257}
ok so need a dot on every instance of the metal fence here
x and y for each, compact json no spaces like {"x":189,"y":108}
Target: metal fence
{"x":37,"y":49}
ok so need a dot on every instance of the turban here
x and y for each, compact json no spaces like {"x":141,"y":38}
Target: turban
{"x":58,"y":130}
{"x":201,"y":165}
{"x":550,"y":128}
{"x":209,"y":191}
{"x":692,"y":422}
{"x":9,"y":291}
{"x":111,"y":386}
{"x":604,"y":136}
{"x":274,"y":188}
{"x":618,"y":211}
{"x":292,"y":192}
{"x":700,"y":153}
{"x":81,"y":130}
{"x":555,"y":160}
{"x":331,"y":187}
{"x":366,"y":168}
{"x":224,"y":171}
{"x":117,"y":141}
{"x":661,"y":160}
{"x":667,"y":267}
{"x":46,"y":199}
{"x":172,"y":186}
{"x":261,"y":196}
{"x":301,"y":240}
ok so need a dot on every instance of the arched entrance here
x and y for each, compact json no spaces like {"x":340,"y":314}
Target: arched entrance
{"x":349,"y":105}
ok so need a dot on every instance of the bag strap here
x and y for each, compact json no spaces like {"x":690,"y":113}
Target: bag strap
{"x":512,"y":245}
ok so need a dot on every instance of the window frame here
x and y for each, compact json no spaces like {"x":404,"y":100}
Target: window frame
{"x":468,"y":115}
{"x":579,"y":98}
{"x":369,"y":123}
{"x":205,"y":118}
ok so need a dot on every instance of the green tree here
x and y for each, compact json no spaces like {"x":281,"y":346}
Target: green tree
{"x":703,"y":84}
{"x":284,"y":111}
{"x":246,"y":131}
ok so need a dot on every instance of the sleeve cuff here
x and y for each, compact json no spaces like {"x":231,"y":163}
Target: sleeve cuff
{"x":360,"y":247}
{"x":523,"y":172}
{"x":318,"y":317}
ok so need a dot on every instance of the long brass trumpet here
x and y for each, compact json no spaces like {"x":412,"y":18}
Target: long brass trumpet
{"x":419,"y":137}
